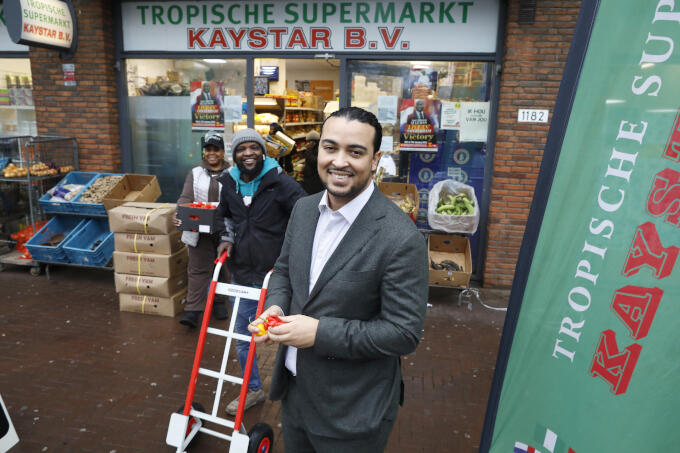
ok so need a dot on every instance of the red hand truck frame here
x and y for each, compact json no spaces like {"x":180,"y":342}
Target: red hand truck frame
{"x":187,"y":423}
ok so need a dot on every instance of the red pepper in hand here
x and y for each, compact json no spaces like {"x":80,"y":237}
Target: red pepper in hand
{"x":271,"y":321}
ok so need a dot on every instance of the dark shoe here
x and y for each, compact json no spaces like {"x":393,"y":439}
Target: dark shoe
{"x":190,"y":318}
{"x":219,"y":310}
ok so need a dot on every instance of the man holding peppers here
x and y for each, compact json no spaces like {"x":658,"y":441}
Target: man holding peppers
{"x":350,"y":287}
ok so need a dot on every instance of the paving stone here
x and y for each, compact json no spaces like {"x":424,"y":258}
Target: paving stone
{"x":79,"y":375}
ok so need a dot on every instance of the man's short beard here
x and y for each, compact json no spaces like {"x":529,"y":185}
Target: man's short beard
{"x":255,"y":170}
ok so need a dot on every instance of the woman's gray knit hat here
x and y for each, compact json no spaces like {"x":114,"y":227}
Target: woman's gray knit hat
{"x":247,"y":135}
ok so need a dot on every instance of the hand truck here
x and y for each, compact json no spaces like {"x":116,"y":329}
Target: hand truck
{"x":189,"y":420}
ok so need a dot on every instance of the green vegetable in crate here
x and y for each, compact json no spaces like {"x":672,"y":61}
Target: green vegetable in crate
{"x":455,"y":205}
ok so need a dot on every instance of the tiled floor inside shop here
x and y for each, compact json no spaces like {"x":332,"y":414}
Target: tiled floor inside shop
{"x":77,"y":375}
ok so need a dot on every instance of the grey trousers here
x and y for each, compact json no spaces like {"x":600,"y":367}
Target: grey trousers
{"x":200,"y":270}
{"x":298,"y":439}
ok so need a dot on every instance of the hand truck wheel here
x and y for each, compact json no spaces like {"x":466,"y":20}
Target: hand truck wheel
{"x":196,"y":406}
{"x":261,"y":438}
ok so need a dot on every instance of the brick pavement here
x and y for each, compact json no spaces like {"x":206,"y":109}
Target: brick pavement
{"x":77,"y":375}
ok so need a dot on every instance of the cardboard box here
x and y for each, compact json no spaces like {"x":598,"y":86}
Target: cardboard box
{"x":133,"y":188}
{"x":399,"y":193}
{"x":150,"y":286}
{"x":163,"y":244}
{"x":151,"y":264}
{"x":147,"y":218}
{"x":196,"y":219}
{"x":449,"y":247}
{"x":153,"y":305}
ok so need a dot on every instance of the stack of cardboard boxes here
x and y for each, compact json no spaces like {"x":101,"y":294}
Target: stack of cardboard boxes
{"x":150,"y":261}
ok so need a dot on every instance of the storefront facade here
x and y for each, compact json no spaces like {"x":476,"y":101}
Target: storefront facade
{"x":382,"y":56}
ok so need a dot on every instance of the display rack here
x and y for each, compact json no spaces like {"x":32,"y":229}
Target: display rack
{"x":25,"y":151}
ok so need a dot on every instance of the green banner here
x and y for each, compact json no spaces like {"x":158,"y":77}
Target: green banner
{"x":593,"y":363}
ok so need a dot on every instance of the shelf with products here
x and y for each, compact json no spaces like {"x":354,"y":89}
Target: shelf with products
{"x":307,"y":123}
{"x":37,"y":154}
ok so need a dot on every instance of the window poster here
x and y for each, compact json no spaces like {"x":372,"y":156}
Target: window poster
{"x":474,"y":121}
{"x":419,"y":125}
{"x":206,"y":105}
{"x":451,"y":115}
{"x":387,"y":109}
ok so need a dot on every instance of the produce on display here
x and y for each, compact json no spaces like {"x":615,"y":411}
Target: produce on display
{"x":408,"y":205}
{"x":22,"y":236}
{"x":202,"y":205}
{"x":445,"y":265}
{"x":54,"y":240}
{"x":455,"y":205}
{"x":99,"y":189}
{"x":42,"y":169}
{"x":66,"y":168}
{"x":12,"y":171}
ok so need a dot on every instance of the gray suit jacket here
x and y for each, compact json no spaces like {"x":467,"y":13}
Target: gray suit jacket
{"x":370,"y":300}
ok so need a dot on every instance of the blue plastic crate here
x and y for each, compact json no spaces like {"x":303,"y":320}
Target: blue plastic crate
{"x":90,"y":208}
{"x":65,"y":207}
{"x":58,"y":225}
{"x":80,"y":247}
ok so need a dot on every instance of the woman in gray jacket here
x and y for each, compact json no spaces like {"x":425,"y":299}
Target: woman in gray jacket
{"x":201,"y":185}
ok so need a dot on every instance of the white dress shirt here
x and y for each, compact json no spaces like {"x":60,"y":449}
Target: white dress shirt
{"x":330,"y":229}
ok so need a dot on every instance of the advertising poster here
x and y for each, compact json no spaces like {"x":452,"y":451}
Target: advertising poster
{"x":206,"y":105}
{"x":589,"y":355}
{"x":419,"y":125}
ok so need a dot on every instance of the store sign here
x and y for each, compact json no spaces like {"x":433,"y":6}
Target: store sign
{"x":352,"y":26}
{"x":6,"y":44}
{"x":589,"y":353}
{"x":42,"y":23}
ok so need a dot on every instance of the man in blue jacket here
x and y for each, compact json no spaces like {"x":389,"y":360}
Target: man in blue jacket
{"x":257,"y":199}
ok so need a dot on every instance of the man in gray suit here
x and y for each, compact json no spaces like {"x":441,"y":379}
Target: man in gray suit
{"x":352,"y":280}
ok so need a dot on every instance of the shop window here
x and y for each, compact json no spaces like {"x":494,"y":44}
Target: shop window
{"x":435,"y":117}
{"x":172,"y":103}
{"x":17,"y":114}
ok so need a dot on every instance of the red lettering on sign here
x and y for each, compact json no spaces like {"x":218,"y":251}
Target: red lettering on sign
{"x":390,"y":41}
{"x":297,"y":38}
{"x":672,"y":150}
{"x":647,"y":251}
{"x":277,"y":32}
{"x":26,"y":28}
{"x":218,"y":38}
{"x":636,"y":306}
{"x":237,"y":36}
{"x":355,"y":38}
{"x":258,"y":38}
{"x":196,"y":37}
{"x":320,"y":35}
{"x":613,"y":366}
{"x":664,"y":197}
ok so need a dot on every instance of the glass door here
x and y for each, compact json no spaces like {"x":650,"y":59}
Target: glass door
{"x":435,"y":117}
